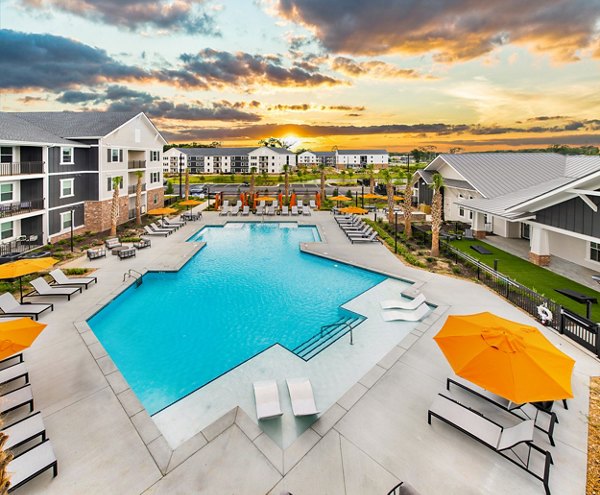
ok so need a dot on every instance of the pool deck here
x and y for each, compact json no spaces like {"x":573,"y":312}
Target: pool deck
{"x":375,"y":435}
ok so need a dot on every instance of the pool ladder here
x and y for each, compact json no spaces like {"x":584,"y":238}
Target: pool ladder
{"x":135,"y":274}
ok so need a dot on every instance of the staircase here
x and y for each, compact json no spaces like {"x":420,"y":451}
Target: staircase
{"x":327,"y":336}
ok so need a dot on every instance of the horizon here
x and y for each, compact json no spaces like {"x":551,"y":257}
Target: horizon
{"x":393,"y":75}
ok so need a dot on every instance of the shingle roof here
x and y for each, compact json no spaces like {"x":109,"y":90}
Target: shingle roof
{"x":324,"y":153}
{"x":14,"y":128}
{"x":458,"y":184}
{"x":216,"y":151}
{"x":77,"y":124}
{"x":362,"y":152}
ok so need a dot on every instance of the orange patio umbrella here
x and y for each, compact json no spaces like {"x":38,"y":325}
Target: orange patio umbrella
{"x":318,"y":200}
{"x":265,"y":198}
{"x":353,"y":210}
{"x":243,"y":199}
{"x":507,"y":358}
{"x":280,"y":199}
{"x":17,"y":335}
{"x":26,"y":266}
{"x":293,"y":200}
{"x":372,"y":196}
{"x":340,"y":198}
{"x":161,"y":212}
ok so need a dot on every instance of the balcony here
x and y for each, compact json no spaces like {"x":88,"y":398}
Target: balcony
{"x":136,"y":164}
{"x":14,"y":249}
{"x":21,"y":168}
{"x":133,"y":189}
{"x":20,"y":207}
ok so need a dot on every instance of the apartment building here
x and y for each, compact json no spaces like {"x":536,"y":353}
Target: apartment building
{"x":345,"y":158}
{"x":57,"y":168}
{"x":308,"y":158}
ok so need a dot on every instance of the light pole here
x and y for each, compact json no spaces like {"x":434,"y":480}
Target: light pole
{"x":395,"y":232}
{"x":180,"y":170}
{"x":362,"y":199}
{"x":408,"y":164}
{"x":72,"y":220}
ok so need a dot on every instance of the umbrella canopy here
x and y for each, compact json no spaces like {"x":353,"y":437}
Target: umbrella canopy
{"x":340,"y":198}
{"x":354,"y":210}
{"x":293,"y":200}
{"x":265,"y":198}
{"x":372,"y":196}
{"x":190,"y":202}
{"x":162,"y":211}
{"x":16,"y":335}
{"x":507,"y":358}
{"x":27,"y":266}
{"x":318,"y":200}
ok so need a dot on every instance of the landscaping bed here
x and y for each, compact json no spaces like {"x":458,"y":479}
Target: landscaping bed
{"x":593,"y":465}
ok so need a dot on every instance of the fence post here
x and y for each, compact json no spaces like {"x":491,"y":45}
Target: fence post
{"x":561,"y":326}
{"x":598,"y":341}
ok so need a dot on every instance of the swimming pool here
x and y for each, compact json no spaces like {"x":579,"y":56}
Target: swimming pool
{"x":249,"y":288}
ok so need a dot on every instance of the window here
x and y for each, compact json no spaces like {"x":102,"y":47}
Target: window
{"x":66,"y":188}
{"x":155,"y":156}
{"x":155,"y":199}
{"x":6,"y":192}
{"x":66,"y":156}
{"x":66,"y":220}
{"x":155,"y":177}
{"x":594,"y":251}
{"x":6,"y":230}
{"x":6,"y":154}
{"x":109,"y":183}
{"x":114,"y":155}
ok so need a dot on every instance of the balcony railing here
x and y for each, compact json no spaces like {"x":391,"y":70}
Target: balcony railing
{"x":21,"y":168}
{"x":135,"y":164}
{"x":14,"y":249}
{"x":19,"y":207}
{"x":132,"y":212}
{"x":133,"y":189}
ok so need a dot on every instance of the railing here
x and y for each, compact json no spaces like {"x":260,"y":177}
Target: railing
{"x":136,"y":164}
{"x":583,"y":331}
{"x":135,"y":274}
{"x":12,"y":249}
{"x":133,"y":189}
{"x":132,"y":212}
{"x":19,"y":207}
{"x":21,"y":168}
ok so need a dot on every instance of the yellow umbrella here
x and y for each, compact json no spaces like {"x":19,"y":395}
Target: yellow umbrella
{"x":372,"y":196}
{"x":340,"y":198}
{"x":162,"y":211}
{"x":354,"y":210}
{"x":16,"y":335}
{"x":26,"y":266}
{"x":190,"y":202}
{"x":507,"y":358}
{"x":265,"y":198}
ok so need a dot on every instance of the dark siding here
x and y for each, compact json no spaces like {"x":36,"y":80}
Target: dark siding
{"x":32,"y":225}
{"x":32,"y":189}
{"x":425,"y":192}
{"x":85,"y":188}
{"x":54,"y":218}
{"x":573,"y":215}
{"x":31,"y":154}
{"x":84,"y":158}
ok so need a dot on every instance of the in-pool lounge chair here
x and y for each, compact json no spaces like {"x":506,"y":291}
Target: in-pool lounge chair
{"x":302,"y":397}
{"x":285,"y":211}
{"x":24,"y":430}
{"x":43,"y":288}
{"x":31,"y":463}
{"x":246,"y":211}
{"x":266,"y":396}
{"x":503,"y":441}
{"x":403,"y":303}
{"x":294,"y":211}
{"x":408,"y":315}
{"x":149,"y":231}
{"x":60,"y":279}
{"x":10,"y":307}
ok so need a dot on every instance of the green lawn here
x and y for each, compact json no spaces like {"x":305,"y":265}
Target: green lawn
{"x":535,"y":277}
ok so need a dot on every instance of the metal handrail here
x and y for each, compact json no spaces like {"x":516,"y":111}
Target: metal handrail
{"x":135,"y":274}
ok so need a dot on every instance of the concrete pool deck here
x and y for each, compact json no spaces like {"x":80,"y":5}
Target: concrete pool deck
{"x":375,"y":435}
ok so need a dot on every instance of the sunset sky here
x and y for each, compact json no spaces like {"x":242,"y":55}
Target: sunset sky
{"x":393,"y":74}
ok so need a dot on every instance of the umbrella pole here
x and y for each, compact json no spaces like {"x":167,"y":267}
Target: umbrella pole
{"x":21,"y":288}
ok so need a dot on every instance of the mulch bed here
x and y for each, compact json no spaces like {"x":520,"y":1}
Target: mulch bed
{"x":593,"y":467}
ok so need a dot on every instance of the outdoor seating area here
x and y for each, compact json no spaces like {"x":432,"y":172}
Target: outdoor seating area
{"x":266,"y":396}
{"x":355,"y":229}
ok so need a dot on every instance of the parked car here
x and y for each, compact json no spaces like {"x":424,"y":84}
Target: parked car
{"x":197,"y":190}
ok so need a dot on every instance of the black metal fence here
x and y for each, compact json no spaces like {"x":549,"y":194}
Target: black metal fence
{"x":16,"y":247}
{"x":19,"y":207}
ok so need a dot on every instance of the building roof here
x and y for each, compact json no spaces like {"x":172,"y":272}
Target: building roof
{"x":427,"y":176}
{"x":362,"y":152}
{"x":324,"y":153}
{"x":216,"y":151}
{"x":77,"y":124}
{"x":14,"y":128}
{"x":281,"y":151}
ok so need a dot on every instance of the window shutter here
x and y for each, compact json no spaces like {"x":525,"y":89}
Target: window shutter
{"x":108,"y":155}
{"x":120,"y":155}
{"x":108,"y":184}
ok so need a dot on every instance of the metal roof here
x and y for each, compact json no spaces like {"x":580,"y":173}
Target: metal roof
{"x":14,"y":128}
{"x":216,"y":151}
{"x":427,"y":176}
{"x":77,"y":124}
{"x":362,"y":152}
{"x":578,"y":166}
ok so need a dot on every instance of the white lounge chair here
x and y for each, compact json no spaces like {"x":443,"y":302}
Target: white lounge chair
{"x":11,"y":307}
{"x":112,"y":242}
{"x":163,"y":225}
{"x":302,"y":397}
{"x":312,"y":204}
{"x":372,"y":237}
{"x":260,"y":210}
{"x":246,"y":211}
{"x":270,"y":210}
{"x":306,"y":211}
{"x":235,"y":211}
{"x":24,"y":430}
{"x":294,"y":211}
{"x":61,"y":279}
{"x":156,"y":228}
{"x":300,"y":204}
{"x":403,"y":303}
{"x":172,"y":221}
{"x":224,"y":211}
{"x":43,"y":288}
{"x":14,"y":399}
{"x":285,"y":211}
{"x":14,"y":372}
{"x":32,"y":462}
{"x":266,"y":396}
{"x":162,"y":233}
{"x":408,"y":315}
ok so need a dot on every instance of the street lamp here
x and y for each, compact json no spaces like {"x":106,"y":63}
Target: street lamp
{"x":72,"y":220}
{"x":180,"y":170}
{"x":395,"y":232}
{"x":362,"y":199}
{"x":408,"y":164}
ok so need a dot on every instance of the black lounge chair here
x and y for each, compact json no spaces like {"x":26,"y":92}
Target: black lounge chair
{"x":501,"y":440}
{"x":61,"y":280}
{"x":16,"y":398}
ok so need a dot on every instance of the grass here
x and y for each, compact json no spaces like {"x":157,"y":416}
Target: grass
{"x":535,"y":277}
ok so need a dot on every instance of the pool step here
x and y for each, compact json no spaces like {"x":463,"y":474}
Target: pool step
{"x":327,"y":336}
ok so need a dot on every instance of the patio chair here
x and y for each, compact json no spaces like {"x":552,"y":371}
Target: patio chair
{"x":300,"y":204}
{"x":235,"y":211}
{"x":97,"y":252}
{"x":294,"y":211}
{"x":24,"y":430}
{"x":403,"y":303}
{"x":16,"y":398}
{"x":502,"y":440}
{"x":112,"y":242}
{"x":357,"y":233}
{"x":172,"y":221}
{"x":11,"y":307}
{"x":302,"y":397}
{"x":156,"y":228}
{"x":306,"y":211}
{"x":43,"y":288}
{"x":414,"y":315}
{"x":60,"y":279}
{"x":270,"y":210}
{"x":246,"y":211}
{"x":224,"y":210}
{"x":260,"y":210}
{"x":14,"y":372}
{"x":285,"y":210}
{"x":528,"y":410}
{"x":31,"y":463}
{"x":126,"y":253}
{"x":266,"y":396}
{"x":312,"y":204}
{"x":149,"y":231}
{"x":142,"y":243}
{"x":5,"y":362}
{"x":370,"y":238}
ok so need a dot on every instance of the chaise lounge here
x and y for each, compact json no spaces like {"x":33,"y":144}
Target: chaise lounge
{"x":14,"y":372}
{"x":408,"y":315}
{"x":149,"y":231}
{"x":403,"y":303}
{"x":266,"y":396}
{"x":10,"y":307}
{"x":24,"y":430}
{"x":31,"y":463}
{"x":43,"y":288}
{"x":302,"y":397}
{"x":60,"y":279}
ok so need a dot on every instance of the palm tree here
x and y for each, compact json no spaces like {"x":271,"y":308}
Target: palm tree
{"x":386,"y":175}
{"x":436,"y":213}
{"x":252,"y":180}
{"x":138,"y":197}
{"x":407,"y":204}
{"x":114,"y":209}
{"x":323,"y":177}
{"x":187,"y":183}
{"x":371,"y":172}
{"x":286,"y":183}
{"x":5,"y":458}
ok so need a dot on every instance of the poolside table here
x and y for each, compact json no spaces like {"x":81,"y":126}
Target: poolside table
{"x":580,"y":298}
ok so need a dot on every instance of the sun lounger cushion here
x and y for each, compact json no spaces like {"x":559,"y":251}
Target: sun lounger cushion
{"x":24,"y":430}
{"x":403,"y":303}
{"x":407,"y":315}
{"x":302,"y":397}
{"x":266,"y":396}
{"x":14,"y":372}
{"x":31,"y":463}
{"x":16,"y":398}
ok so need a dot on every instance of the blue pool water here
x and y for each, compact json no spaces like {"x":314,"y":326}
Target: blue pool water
{"x":249,"y":288}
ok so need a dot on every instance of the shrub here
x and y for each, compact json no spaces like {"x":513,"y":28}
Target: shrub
{"x":456,"y":270}
{"x":76,"y":271}
{"x":130,"y":239}
{"x":430,"y":259}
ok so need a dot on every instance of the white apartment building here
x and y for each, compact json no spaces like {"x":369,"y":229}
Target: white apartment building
{"x":362,"y":158}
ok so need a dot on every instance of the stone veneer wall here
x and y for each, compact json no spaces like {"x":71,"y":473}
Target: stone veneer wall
{"x":539,"y":259}
{"x":479,"y":234}
{"x":97,"y":214}
{"x":160,"y":198}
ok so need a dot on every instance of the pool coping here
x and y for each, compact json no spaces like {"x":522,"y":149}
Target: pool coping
{"x":283,"y":460}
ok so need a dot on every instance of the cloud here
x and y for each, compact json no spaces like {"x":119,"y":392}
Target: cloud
{"x":373,"y":68}
{"x":50,"y":62}
{"x":457,"y":30}
{"x":305,"y":107}
{"x":215,"y":69}
{"x":544,"y":118}
{"x":175,"y":15}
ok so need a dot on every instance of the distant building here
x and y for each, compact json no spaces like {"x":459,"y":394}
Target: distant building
{"x":345,"y":158}
{"x":327,"y":158}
